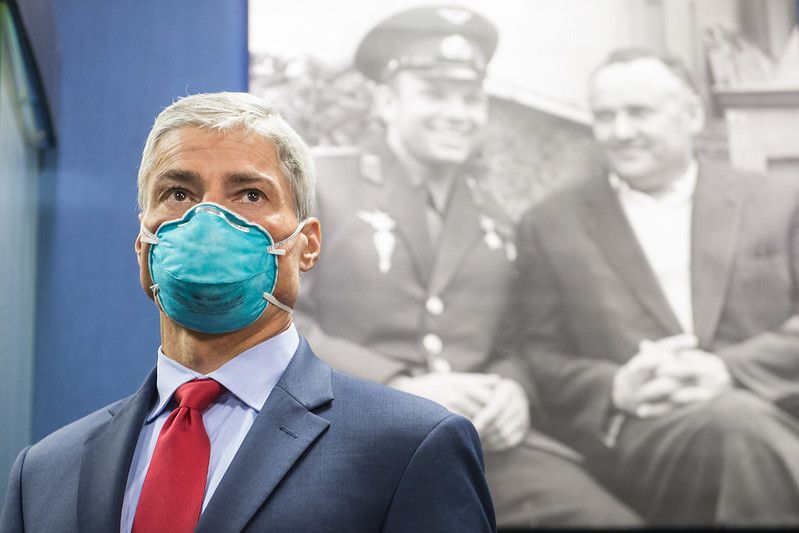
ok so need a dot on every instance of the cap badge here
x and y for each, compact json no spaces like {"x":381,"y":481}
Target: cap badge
{"x":455,"y":47}
{"x":455,"y":16}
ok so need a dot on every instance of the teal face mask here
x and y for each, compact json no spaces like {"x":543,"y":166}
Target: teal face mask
{"x":212,"y":270}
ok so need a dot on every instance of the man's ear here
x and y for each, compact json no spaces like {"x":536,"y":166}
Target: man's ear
{"x":697,"y":114}
{"x":141,"y":259}
{"x":309,"y":255}
{"x":137,"y":245}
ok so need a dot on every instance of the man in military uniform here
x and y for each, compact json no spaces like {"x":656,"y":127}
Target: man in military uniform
{"x":422,"y":259}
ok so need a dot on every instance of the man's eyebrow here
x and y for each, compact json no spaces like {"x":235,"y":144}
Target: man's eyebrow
{"x":250,"y":178}
{"x":178,"y":175}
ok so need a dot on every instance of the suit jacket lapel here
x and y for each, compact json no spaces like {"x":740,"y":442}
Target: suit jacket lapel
{"x":106,"y":459}
{"x":714,"y":230}
{"x":461,"y":231}
{"x":281,"y":433}
{"x":609,"y":227}
{"x":406,"y":206}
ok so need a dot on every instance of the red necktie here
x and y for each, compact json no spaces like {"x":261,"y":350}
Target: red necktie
{"x":172,"y":495}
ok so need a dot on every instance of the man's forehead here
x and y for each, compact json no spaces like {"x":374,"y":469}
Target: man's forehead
{"x":197,"y":143}
{"x":644,"y":74}
{"x":210,"y":154}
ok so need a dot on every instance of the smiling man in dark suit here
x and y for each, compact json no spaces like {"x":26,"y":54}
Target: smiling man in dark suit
{"x":240,"y":427}
{"x":658,"y":301}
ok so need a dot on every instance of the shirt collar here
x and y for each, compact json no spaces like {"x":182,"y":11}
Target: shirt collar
{"x":250,"y":376}
{"x":681,"y":188}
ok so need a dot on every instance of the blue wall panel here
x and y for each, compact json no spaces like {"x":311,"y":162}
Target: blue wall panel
{"x":121,"y":63}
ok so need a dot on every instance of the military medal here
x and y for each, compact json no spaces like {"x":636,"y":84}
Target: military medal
{"x":384,"y":240}
{"x":491,"y":237}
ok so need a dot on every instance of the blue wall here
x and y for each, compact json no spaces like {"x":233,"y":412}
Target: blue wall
{"x":121,"y":63}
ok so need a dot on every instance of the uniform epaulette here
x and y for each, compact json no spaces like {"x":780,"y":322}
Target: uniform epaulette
{"x":340,"y":161}
{"x":371,"y":168}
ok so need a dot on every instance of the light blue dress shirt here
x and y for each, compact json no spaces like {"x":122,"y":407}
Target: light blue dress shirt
{"x":249,"y":379}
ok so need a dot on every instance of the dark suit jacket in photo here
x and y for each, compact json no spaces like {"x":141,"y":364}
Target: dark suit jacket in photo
{"x":327,"y":452}
{"x":588,"y":296}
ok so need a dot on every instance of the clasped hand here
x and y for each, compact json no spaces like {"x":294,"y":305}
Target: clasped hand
{"x":496,"y":406}
{"x":666,"y":374}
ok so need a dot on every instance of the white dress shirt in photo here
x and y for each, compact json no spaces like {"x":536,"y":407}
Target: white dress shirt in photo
{"x":662,"y":224}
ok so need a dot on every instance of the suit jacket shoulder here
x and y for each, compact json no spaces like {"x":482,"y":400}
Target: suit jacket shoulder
{"x":45,"y":482}
{"x":374,"y":407}
{"x":74,"y":434}
{"x":569,"y":196}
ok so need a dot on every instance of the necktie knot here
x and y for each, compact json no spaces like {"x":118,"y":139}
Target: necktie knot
{"x":198,"y":394}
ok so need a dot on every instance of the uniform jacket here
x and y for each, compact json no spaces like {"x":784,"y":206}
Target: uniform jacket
{"x":588,"y":296}
{"x":327,"y":452}
{"x":428,"y":303}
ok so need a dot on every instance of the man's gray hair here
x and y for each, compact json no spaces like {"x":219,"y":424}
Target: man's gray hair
{"x":227,"y":112}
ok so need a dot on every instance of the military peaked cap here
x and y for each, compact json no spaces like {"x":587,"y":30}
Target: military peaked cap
{"x":435,"y":41}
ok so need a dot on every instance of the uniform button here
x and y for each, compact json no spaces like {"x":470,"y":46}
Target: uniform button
{"x":432,"y":343}
{"x":434,"y":305}
{"x":440,"y":365}
{"x":511,"y":251}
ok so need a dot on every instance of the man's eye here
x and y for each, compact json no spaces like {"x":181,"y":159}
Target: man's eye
{"x":603,"y":116}
{"x":253,"y":195}
{"x":179,"y":195}
{"x":640,"y":112}
{"x":433,"y":94}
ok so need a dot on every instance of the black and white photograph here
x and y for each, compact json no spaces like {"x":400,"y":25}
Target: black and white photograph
{"x":399,"y":265}
{"x":572,"y":223}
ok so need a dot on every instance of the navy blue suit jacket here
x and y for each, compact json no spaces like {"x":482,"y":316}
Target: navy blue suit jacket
{"x":328,"y":452}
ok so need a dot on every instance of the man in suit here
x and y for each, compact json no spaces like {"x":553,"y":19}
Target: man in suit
{"x":422,"y":259}
{"x":240,"y":427}
{"x":658,"y":303}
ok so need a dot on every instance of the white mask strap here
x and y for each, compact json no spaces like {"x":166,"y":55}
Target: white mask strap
{"x":147,"y":236}
{"x":277,"y":303}
{"x":155,"y":288}
{"x":275,"y":249}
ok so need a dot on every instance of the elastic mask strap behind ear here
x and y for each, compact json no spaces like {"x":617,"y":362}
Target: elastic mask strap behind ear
{"x":156,"y":289}
{"x":277,"y":303}
{"x":275,"y":249}
{"x":147,"y":236}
